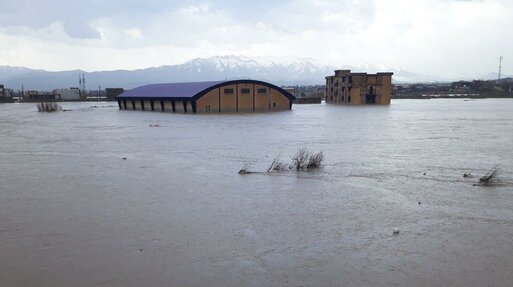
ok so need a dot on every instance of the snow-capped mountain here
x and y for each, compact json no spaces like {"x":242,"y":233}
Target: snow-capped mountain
{"x":280,"y":71}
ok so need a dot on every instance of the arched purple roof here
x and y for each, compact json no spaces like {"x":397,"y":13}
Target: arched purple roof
{"x":170,"y":90}
{"x":188,"y":91}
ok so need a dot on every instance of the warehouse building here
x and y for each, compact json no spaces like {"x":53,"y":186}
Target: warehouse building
{"x":358,"y":88}
{"x":207,"y":97}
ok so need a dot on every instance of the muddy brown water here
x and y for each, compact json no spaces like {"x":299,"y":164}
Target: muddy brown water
{"x":176,"y":213}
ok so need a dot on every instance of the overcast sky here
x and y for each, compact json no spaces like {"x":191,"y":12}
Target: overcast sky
{"x":446,"y":37}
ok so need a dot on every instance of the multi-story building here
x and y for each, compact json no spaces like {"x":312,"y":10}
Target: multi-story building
{"x":358,"y":88}
{"x":71,"y":94}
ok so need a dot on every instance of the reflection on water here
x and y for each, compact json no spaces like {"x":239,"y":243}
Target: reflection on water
{"x":176,"y":213}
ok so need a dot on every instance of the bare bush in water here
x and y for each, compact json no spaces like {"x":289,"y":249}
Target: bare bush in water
{"x":48,"y":107}
{"x":315,"y":160}
{"x":304,"y":159}
{"x":277,"y":165}
{"x":300,"y":158}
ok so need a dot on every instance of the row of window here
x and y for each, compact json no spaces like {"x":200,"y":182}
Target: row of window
{"x":348,"y":78}
{"x":245,"y":91}
{"x":348,"y":99}
{"x":343,"y":89}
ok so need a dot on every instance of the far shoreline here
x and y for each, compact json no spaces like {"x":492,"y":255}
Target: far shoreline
{"x":454,"y":96}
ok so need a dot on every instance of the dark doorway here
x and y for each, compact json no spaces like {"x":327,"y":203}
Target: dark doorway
{"x":370,"y":99}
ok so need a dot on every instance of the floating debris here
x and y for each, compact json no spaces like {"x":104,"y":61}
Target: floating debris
{"x":245,"y":168}
{"x":490,"y":178}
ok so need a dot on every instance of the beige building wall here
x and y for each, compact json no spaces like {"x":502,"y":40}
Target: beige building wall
{"x":355,"y":96}
{"x":128,"y":105}
{"x":245,"y":100}
{"x":138,"y":105}
{"x":168,"y":107}
{"x":262,"y":100}
{"x":386,"y":87}
{"x":147,"y":105}
{"x":278,"y":100}
{"x":188,"y":106}
{"x":228,"y":100}
{"x":209,"y":103}
{"x":157,"y":106}
{"x":179,"y":107}
{"x":242,"y":102}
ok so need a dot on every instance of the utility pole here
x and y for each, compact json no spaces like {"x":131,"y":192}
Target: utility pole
{"x":99,"y":88}
{"x":500,"y":67}
{"x":83,"y":82}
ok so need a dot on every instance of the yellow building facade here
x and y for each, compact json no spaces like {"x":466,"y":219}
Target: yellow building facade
{"x":358,"y":88}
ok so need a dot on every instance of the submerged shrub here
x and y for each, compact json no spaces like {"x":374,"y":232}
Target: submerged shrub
{"x":315,"y":160}
{"x":48,"y":107}
{"x":300,"y":158}
{"x":304,"y":159}
{"x":277,"y":165}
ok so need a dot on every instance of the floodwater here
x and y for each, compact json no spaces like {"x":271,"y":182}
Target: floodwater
{"x":176,"y":213}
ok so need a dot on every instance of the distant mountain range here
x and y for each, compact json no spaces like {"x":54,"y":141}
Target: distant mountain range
{"x":277,"y":71}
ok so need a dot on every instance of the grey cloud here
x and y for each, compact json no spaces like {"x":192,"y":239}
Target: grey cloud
{"x":76,"y":15}
{"x":278,"y":16}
